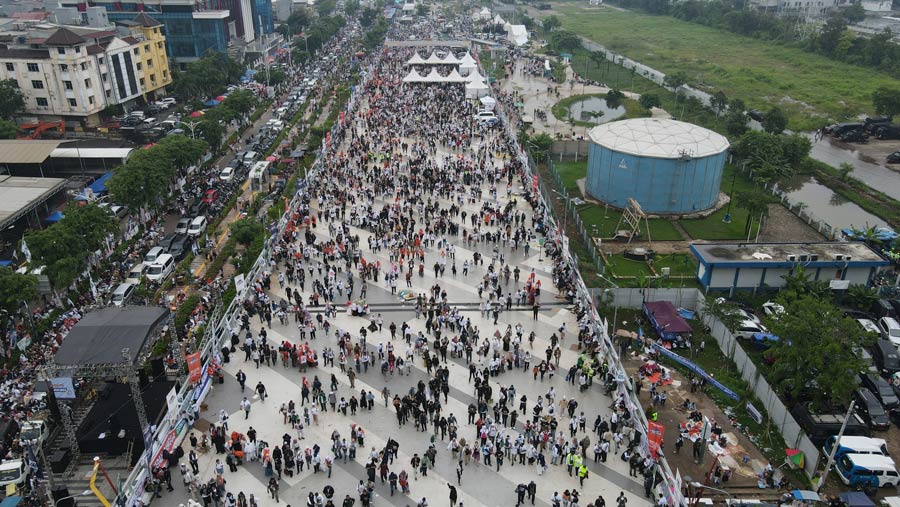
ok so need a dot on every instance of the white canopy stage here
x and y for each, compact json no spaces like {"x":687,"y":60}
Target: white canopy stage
{"x":416,"y":59}
{"x":476,"y":89}
{"x":488,"y":102}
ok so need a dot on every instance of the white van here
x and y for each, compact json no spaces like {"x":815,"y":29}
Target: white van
{"x":153,"y":254}
{"x":13,"y":472}
{"x":748,"y":328}
{"x":197,"y":227}
{"x":122,"y":294}
{"x":161,"y":268}
{"x":137,"y":272}
{"x":890,"y":329}
{"x":867,"y":470}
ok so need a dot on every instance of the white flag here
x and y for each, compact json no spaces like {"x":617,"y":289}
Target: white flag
{"x":26,"y":251}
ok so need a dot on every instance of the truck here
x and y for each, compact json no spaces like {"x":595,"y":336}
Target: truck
{"x":34,"y":432}
{"x":14,"y":471}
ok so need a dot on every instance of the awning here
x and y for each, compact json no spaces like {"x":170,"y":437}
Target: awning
{"x":212,"y":103}
{"x":54,"y":217}
{"x":806,"y":495}
{"x":99,"y":185}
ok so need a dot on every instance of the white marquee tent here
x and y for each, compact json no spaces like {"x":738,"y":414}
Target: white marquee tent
{"x":415,"y":60}
{"x":476,"y":89}
{"x":450,"y":59}
{"x":413,"y":77}
{"x":454,"y":77}
{"x":474,"y":76}
{"x":517,"y":34}
{"x":434,"y":60}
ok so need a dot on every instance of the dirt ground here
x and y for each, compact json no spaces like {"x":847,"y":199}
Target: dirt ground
{"x":782,"y":225}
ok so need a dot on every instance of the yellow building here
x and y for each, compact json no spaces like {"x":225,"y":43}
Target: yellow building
{"x":150,"y":53}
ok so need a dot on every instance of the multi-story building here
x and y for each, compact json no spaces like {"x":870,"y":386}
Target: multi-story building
{"x":72,"y":73}
{"x":195,"y":27}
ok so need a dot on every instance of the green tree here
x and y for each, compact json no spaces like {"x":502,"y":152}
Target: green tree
{"x":421,"y":10}
{"x":564,"y":40}
{"x":212,"y":132}
{"x":861,"y":297}
{"x":830,"y":35}
{"x":649,"y":101}
{"x":854,"y":13}
{"x":15,"y":288}
{"x":368,"y":16}
{"x":812,"y":355}
{"x":800,"y":284}
{"x":614,"y":98}
{"x":598,"y":57}
{"x":844,"y":171}
{"x":7,"y":129}
{"x":179,"y":151}
{"x":241,"y":102}
{"x":11,"y":99}
{"x":774,"y":121}
{"x":756,"y":202}
{"x":245,"y":231}
{"x":551,"y":23}
{"x":886,"y":101}
{"x":326,"y":7}
{"x":719,"y":102}
{"x":725,"y":311}
{"x":351,"y":7}
{"x":675,"y":81}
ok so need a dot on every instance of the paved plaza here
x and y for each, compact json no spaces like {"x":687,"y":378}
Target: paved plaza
{"x":479,"y":484}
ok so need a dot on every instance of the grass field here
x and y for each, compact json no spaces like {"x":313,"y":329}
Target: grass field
{"x":811,"y":89}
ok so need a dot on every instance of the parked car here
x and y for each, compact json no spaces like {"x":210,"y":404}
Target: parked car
{"x":886,"y":357}
{"x":198,"y":208}
{"x":210,"y":196}
{"x":227,"y":174}
{"x":894,"y":158}
{"x":122,"y":294}
{"x":748,"y":328}
{"x":181,"y":247}
{"x":167,"y":241}
{"x":881,"y":389}
{"x":182,"y":226}
{"x":869,"y":408}
{"x":487,"y":118}
{"x":890,"y":329}
{"x":773,"y":310}
{"x":855,"y":136}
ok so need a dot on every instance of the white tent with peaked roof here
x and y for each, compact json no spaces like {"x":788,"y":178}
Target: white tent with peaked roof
{"x":434,"y":60}
{"x":517,"y":34}
{"x":416,"y":59}
{"x":498,"y":20}
{"x":474,"y":76}
{"x":476,"y":89}
{"x":454,"y":77}
{"x":413,"y":77}
{"x":434,"y":77}
{"x":450,"y":59}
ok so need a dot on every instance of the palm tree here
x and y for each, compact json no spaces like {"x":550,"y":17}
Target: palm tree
{"x":756,"y":203}
{"x":861,"y":297}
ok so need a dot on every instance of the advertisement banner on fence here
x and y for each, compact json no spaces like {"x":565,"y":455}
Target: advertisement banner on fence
{"x":655,"y":433}
{"x":696,"y":369}
{"x":194,"y":367}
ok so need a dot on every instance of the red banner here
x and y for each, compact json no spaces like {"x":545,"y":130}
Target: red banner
{"x":341,"y":114}
{"x":534,"y":182}
{"x":167,"y":445}
{"x":655,"y":433}
{"x":195,"y":369}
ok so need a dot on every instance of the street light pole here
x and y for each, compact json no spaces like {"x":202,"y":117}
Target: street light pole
{"x":834,"y":448}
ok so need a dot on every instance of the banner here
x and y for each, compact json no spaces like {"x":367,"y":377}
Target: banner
{"x":62,"y":388}
{"x":534,"y":182}
{"x":655,"y":433}
{"x":194,"y":367}
{"x":696,"y":369}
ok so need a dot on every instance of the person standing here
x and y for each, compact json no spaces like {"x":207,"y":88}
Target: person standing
{"x":261,"y":389}
{"x":242,"y":379}
{"x":521,"y":489}
{"x":532,"y":491}
{"x":621,"y":500}
{"x":273,"y":488}
{"x":453,"y":495}
{"x":245,"y":406}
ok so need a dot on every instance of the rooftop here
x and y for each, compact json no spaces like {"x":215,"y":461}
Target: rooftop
{"x":19,"y":195}
{"x":114,"y":335}
{"x":782,"y":252}
{"x":17,"y":151}
{"x":658,"y":138}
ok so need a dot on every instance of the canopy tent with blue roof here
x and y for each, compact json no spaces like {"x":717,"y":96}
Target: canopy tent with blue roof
{"x":856,"y":499}
{"x":212,"y":103}
{"x":98,"y":187}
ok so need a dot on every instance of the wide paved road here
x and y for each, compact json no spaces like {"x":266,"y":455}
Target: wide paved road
{"x":481,"y":485}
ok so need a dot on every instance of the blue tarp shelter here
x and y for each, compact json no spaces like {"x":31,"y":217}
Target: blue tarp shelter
{"x":211,"y":103}
{"x":856,"y":499}
{"x":54,"y":217}
{"x":99,"y":185}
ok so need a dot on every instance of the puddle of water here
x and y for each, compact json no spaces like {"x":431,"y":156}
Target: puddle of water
{"x":822,"y":203}
{"x":595,"y":110}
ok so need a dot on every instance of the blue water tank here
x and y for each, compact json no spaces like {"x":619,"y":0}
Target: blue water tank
{"x":667,"y":166}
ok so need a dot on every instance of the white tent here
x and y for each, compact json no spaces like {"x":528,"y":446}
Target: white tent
{"x":467,"y":59}
{"x":488,"y":102}
{"x":434,"y":77}
{"x":454,"y":77}
{"x":474,"y":76}
{"x":450,"y":59}
{"x":485,"y":13}
{"x":416,"y":59}
{"x":476,"y":89}
{"x":467,"y":69}
{"x":413,"y":77}
{"x":434,"y":60}
{"x":517,"y":34}
{"x":498,"y":20}
{"x":507,"y":27}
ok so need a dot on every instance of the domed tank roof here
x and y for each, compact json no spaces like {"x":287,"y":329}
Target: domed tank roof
{"x":658,"y":138}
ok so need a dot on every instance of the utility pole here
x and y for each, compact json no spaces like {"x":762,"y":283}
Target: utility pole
{"x":834,"y":448}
